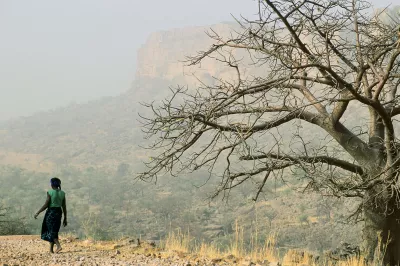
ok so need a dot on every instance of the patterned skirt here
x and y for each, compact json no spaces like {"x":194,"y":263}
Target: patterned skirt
{"x":51,"y":224}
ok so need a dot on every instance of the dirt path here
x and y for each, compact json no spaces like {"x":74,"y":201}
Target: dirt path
{"x":30,"y":250}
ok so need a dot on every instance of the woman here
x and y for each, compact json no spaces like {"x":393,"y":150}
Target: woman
{"x":55,"y":205}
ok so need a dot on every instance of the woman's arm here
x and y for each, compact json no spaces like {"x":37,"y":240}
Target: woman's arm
{"x":46,"y":204}
{"x":64,"y":207}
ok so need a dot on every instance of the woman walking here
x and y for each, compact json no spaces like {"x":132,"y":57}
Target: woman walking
{"x":56,"y":206}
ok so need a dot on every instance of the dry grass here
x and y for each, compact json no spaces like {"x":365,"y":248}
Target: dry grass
{"x":181,"y":242}
{"x":178,"y":241}
{"x":68,"y":236}
{"x":237,"y":246}
{"x":350,"y":262}
{"x":267,"y":252}
{"x":208,"y":251}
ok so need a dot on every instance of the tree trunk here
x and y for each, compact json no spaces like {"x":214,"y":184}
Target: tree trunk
{"x":381,"y":234}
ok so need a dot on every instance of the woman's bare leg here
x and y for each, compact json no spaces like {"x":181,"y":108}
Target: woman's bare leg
{"x":51,"y":247}
{"x":59,"y":248}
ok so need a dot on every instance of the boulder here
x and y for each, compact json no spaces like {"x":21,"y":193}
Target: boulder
{"x":344,"y":251}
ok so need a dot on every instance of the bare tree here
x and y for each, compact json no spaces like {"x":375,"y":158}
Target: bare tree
{"x":322,"y":97}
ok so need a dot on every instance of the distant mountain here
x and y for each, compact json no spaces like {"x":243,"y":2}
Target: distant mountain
{"x":106,"y":132}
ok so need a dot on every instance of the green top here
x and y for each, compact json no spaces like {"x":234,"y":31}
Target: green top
{"x":56,"y":197}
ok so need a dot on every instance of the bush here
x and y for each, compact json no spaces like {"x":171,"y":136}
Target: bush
{"x":11,"y":225}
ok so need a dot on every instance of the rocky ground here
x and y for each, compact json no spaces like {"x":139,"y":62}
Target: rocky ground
{"x":30,"y":250}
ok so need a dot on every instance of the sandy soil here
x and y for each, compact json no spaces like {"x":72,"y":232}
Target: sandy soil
{"x":30,"y":250}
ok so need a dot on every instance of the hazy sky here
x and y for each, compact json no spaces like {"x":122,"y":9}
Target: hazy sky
{"x":54,"y":52}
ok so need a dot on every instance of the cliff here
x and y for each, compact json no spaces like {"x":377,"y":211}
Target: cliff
{"x":106,"y":132}
{"x":164,"y":54}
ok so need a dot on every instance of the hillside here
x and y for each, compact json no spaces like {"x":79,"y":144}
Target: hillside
{"x":106,"y":131}
{"x":95,"y":148}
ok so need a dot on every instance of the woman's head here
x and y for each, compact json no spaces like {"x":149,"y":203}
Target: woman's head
{"x":55,"y":183}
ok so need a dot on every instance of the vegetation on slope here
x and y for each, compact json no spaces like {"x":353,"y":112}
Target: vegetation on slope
{"x":104,"y":204}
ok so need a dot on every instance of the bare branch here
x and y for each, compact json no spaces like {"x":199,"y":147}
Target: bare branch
{"x":306,"y":159}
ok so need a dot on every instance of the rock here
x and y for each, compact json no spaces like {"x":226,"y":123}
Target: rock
{"x":117,"y":246}
{"x":230,"y":257}
{"x":344,"y":251}
{"x":263,"y":263}
{"x":88,"y":242}
{"x":117,"y":252}
{"x":275,"y":263}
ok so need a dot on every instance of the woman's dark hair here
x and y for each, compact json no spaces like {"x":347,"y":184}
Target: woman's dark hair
{"x":55,"y":182}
